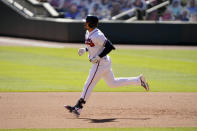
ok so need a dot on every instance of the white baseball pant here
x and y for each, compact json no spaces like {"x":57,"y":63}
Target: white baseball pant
{"x":103,"y":70}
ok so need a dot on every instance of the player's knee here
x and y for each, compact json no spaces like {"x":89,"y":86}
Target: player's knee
{"x":112,"y":83}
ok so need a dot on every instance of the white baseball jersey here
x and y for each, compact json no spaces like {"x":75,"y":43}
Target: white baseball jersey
{"x":95,"y":41}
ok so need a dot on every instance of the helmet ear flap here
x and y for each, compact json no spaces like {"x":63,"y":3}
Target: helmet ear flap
{"x":90,"y":25}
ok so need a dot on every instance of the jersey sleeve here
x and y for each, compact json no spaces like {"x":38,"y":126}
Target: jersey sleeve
{"x":99,"y":40}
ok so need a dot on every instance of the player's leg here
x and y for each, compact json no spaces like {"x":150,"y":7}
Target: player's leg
{"x":121,"y":81}
{"x":93,"y":78}
{"x":124,"y":81}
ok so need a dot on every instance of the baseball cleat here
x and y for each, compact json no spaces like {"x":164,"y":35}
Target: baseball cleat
{"x":73,"y":110}
{"x":144,"y":83}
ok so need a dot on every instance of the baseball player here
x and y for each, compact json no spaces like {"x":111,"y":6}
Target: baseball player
{"x":98,"y":47}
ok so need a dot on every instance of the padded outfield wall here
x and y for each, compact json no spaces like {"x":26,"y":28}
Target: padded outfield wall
{"x":15,"y":24}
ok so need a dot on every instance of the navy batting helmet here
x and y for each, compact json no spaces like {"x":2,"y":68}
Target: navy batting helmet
{"x":92,"y":20}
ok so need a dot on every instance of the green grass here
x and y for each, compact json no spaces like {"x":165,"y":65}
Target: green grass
{"x":61,"y":69}
{"x":107,"y":129}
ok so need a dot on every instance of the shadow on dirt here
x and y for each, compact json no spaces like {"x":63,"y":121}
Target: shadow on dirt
{"x":111,"y":119}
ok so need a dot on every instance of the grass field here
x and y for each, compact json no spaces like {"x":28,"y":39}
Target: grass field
{"x":30,"y":69}
{"x":107,"y":129}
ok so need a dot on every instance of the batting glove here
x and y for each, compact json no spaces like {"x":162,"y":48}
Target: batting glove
{"x":95,"y":59}
{"x":81,"y":51}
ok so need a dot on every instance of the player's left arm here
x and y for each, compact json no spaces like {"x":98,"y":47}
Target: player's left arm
{"x":108,"y":48}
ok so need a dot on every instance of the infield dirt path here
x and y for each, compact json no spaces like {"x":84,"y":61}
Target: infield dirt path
{"x":11,"y":41}
{"x":45,"y":110}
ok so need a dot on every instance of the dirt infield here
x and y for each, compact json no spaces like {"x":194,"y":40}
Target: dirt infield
{"x":45,"y":110}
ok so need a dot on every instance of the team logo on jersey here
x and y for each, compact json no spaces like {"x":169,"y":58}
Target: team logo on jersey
{"x":89,"y":42}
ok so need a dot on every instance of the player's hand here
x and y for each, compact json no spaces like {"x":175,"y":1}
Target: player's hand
{"x":95,"y":59}
{"x":81,"y":51}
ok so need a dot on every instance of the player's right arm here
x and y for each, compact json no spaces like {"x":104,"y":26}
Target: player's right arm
{"x":81,"y":51}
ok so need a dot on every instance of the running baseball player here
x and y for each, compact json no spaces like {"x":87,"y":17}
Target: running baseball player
{"x":98,"y":47}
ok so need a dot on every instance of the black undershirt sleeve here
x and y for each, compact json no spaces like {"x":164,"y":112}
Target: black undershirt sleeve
{"x":108,"y":47}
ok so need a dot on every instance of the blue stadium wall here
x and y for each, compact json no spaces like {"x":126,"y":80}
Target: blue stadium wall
{"x":14,"y":24}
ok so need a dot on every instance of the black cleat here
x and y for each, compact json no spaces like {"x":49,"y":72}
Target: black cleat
{"x":74,"y":110}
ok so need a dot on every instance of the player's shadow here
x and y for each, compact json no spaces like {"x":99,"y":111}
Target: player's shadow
{"x":111,"y":119}
{"x":99,"y":120}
